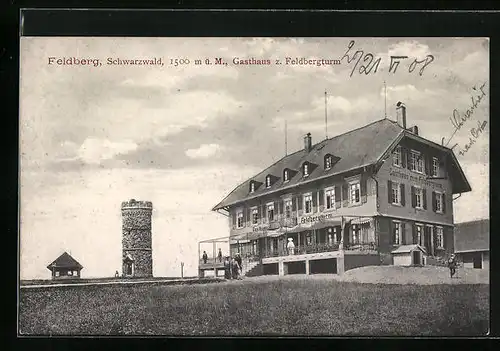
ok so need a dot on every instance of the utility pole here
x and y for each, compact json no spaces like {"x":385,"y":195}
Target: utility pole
{"x":182,"y":270}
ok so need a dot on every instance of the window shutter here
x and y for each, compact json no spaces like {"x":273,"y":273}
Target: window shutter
{"x":414,"y":233}
{"x":444,"y":203}
{"x":234,"y":218}
{"x":389,"y":191}
{"x":403,"y":201}
{"x":322,"y":197}
{"x":259,"y":212}
{"x":403,"y":157}
{"x":363,"y":190}
{"x":402,"y":234}
{"x":413,"y":200}
{"x":294,"y":204}
{"x":408,"y":156}
{"x":424,"y":198}
{"x":426,"y":164}
{"x":391,"y":232}
{"x":299,"y":200}
{"x":337,"y":197}
{"x":315,"y":201}
{"x":264,"y":213}
{"x":281,"y":205}
{"x":433,"y":201}
{"x":434,"y":239}
{"x":345,"y":200}
{"x":249,"y":214}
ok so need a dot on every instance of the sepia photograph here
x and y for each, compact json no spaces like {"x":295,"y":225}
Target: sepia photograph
{"x":254,"y":186}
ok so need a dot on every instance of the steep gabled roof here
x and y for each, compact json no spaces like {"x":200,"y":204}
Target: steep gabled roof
{"x":353,"y":150}
{"x":65,"y":261}
{"x":472,"y":236}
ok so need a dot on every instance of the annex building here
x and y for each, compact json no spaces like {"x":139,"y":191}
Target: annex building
{"x":472,"y":243}
{"x":356,"y":199}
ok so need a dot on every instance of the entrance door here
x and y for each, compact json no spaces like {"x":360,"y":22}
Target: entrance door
{"x":477,"y":261}
{"x":416,"y":257}
{"x":128,"y":268}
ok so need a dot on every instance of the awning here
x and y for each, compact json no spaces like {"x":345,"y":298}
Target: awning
{"x":364,"y":220}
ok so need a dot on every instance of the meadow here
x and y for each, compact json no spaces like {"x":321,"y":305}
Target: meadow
{"x":270,"y":306}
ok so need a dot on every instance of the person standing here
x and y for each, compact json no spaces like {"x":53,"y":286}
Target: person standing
{"x":236,"y":269}
{"x":220,"y":255}
{"x":205,"y":257}
{"x":290,"y":246}
{"x":227,"y":268}
{"x":452,"y":265}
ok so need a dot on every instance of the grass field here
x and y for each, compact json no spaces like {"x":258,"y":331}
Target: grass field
{"x":268,"y":306}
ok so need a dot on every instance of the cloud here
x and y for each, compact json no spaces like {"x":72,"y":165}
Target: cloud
{"x":204,"y":151}
{"x":412,"y":49}
{"x":95,"y":150}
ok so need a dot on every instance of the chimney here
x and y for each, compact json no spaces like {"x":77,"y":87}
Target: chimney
{"x":307,"y":142}
{"x":401,"y":106}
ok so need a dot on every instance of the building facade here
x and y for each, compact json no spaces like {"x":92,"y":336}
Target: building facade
{"x":472,"y":243}
{"x":347,"y":202}
{"x":137,"y":254}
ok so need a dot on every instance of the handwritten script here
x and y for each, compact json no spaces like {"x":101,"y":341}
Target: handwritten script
{"x":458,"y":120}
{"x":370,"y":63}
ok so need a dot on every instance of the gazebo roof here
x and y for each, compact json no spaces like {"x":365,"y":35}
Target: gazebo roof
{"x":65,"y":261}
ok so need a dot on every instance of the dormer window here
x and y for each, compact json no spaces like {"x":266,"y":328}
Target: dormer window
{"x":328,"y":161}
{"x":286,"y":175}
{"x":268,"y":181}
{"x":252,"y":187}
{"x":305,"y":169}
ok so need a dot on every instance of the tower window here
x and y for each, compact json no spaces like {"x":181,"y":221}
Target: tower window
{"x":252,"y":187}
{"x":306,"y":169}
{"x":240,"y":219}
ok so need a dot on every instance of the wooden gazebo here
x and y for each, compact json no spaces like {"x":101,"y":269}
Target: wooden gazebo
{"x":65,"y":267}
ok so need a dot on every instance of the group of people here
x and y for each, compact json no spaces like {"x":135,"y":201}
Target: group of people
{"x":232,"y":267}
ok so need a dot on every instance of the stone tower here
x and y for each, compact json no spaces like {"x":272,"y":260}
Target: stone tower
{"x":137,"y":241}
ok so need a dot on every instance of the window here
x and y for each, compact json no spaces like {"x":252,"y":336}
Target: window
{"x":288,"y":208}
{"x":268,"y":181}
{"x":435,"y":167}
{"x":308,"y":203}
{"x":418,"y":198}
{"x":330,"y":198}
{"x":396,"y":233}
{"x":285,"y":175}
{"x":240,"y":219}
{"x":252,"y":187}
{"x":308,"y":238}
{"x":270,"y":212}
{"x":439,"y":237}
{"x":306,"y":169}
{"x":354,"y":193}
{"x":396,"y":157}
{"x":57,"y":273}
{"x":439,"y":202}
{"x":395,"y":193}
{"x":255,"y":216}
{"x":355,"y":233}
{"x":328,"y":162}
{"x":416,"y":162}
{"x":418,"y":237}
{"x":70,"y":272}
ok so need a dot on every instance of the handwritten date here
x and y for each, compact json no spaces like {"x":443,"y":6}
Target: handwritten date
{"x":370,"y":64}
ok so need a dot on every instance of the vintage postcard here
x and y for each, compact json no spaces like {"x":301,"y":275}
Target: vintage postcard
{"x":254,"y":186}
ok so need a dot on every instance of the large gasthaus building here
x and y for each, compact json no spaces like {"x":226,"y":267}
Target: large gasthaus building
{"x":360,"y":198}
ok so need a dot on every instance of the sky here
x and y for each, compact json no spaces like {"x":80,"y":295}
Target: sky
{"x":184,"y":136}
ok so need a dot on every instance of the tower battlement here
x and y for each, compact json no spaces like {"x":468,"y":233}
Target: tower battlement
{"x":134,"y":204}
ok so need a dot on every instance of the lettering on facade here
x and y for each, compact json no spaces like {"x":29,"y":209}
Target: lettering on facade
{"x":260,"y":229}
{"x":416,"y":178}
{"x":320,"y":218}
